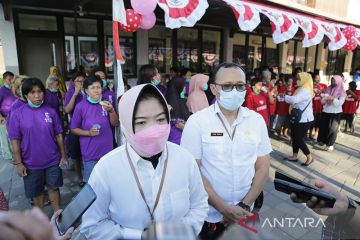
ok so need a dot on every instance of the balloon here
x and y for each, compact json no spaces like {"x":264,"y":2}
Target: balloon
{"x":349,"y":31}
{"x":133,"y":20}
{"x":144,"y":7}
{"x":351,"y":44}
{"x":148,"y":21}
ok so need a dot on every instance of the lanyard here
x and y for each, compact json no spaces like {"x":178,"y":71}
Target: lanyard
{"x":227,"y":131}
{"x":139,"y":185}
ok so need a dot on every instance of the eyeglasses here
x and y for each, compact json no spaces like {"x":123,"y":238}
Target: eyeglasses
{"x":230,"y":87}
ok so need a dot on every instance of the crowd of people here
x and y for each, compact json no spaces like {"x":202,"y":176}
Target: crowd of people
{"x":195,"y":148}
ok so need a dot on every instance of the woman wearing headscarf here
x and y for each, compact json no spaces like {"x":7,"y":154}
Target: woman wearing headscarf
{"x":197,"y":99}
{"x":178,"y":109}
{"x":302,"y":100}
{"x":332,"y":99}
{"x":20,"y":101}
{"x":147,"y":179}
{"x":52,"y":94}
{"x":54,"y":71}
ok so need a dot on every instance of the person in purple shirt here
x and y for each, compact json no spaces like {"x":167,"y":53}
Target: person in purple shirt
{"x":52,"y":94}
{"x":92,"y":122}
{"x":20,"y":101}
{"x":179,"y":111}
{"x":149,"y":74}
{"x":186,"y":73}
{"x":6,"y":96}
{"x":36,"y":136}
{"x":107,"y":94}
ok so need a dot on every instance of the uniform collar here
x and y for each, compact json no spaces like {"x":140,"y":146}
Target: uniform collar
{"x":136,"y":159}
{"x":243,"y":112}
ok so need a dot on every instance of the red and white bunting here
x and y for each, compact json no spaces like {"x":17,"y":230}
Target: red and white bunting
{"x":313,"y":32}
{"x":183,"y":13}
{"x":337,"y":39}
{"x":248,"y":17}
{"x":283,"y":25}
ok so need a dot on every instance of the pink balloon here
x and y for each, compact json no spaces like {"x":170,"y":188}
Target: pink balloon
{"x":148,"y":21}
{"x":144,"y":7}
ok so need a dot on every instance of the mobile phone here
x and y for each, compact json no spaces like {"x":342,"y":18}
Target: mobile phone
{"x":75,"y":209}
{"x":305,"y":191}
{"x":283,"y":176}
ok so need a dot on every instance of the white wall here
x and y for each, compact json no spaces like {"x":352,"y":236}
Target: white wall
{"x":8,"y":42}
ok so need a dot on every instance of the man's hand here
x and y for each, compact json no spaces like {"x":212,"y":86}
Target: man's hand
{"x":318,"y":206}
{"x":63,"y":161}
{"x":21,"y":170}
{"x":233,"y":214}
{"x":94,"y":132}
{"x":29,"y":225}
{"x":69,"y":232}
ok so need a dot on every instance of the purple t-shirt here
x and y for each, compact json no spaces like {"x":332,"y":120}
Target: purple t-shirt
{"x":85,"y":116}
{"x":175,"y":133}
{"x":16,"y":105}
{"x":52,"y":100}
{"x":78,"y":98}
{"x":7,"y":98}
{"x":109,"y":96}
{"x":36,"y":129}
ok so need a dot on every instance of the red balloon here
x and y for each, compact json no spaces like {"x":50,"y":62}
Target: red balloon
{"x":351,"y":44}
{"x":133,"y":20}
{"x":349,"y":31}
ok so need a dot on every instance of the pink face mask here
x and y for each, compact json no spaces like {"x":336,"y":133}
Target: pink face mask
{"x":151,"y":140}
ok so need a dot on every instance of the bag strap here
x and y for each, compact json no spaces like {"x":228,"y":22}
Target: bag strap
{"x":306,"y":107}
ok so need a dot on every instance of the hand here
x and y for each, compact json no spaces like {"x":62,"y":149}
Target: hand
{"x":64,"y":161}
{"x":2,"y":120}
{"x":29,"y":225}
{"x":232,"y":214}
{"x":274,"y":92}
{"x":318,"y":206}
{"x":69,"y":232}
{"x":78,"y":87}
{"x":107,"y":106}
{"x":21,"y":170}
{"x":94,"y":132}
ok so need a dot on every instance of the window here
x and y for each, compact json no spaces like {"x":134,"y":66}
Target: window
{"x":239,"y":50}
{"x":356,"y":60}
{"x":255,"y":52}
{"x":127,"y":49}
{"x":300,"y":55}
{"x":310,"y":61}
{"x":289,"y":57}
{"x":70,"y":53}
{"x":84,"y":27}
{"x":37,"y":22}
{"x":336,"y":62}
{"x":160,"y":48}
{"x":210,"y":50}
{"x":187,"y":48}
{"x":272,"y":56}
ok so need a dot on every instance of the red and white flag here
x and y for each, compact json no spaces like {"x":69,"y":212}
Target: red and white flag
{"x":248,"y":17}
{"x":283,"y":25}
{"x":119,"y":17}
{"x":182,"y":13}
{"x":313,"y":33}
{"x":337,"y":39}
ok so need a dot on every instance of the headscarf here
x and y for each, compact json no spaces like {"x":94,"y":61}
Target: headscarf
{"x":126,"y":109}
{"x":62,"y":86}
{"x":179,"y":109}
{"x":197,"y":99}
{"x":306,"y":81}
{"x":337,"y":91}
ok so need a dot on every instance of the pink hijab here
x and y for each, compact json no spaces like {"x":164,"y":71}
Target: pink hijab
{"x":339,"y":90}
{"x":197,"y":99}
{"x":126,"y":111}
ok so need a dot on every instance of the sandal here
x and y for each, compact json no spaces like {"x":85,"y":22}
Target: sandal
{"x":305,"y":164}
{"x":291,"y":160}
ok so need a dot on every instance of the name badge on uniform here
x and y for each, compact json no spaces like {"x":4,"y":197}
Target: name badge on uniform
{"x":217,"y":134}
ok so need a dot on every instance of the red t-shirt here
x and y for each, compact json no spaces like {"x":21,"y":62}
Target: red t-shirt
{"x":317,"y":106}
{"x":258,"y":103}
{"x":272,"y":107}
{"x":349,"y":106}
{"x":282,"y":106}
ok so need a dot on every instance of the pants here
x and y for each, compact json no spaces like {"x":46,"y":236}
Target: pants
{"x":329,"y":128}
{"x":298,"y":133}
{"x":349,"y":118}
{"x":280,"y":122}
{"x":88,"y":167}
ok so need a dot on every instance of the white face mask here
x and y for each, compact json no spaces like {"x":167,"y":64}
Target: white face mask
{"x":232,"y":100}
{"x":264,"y":89}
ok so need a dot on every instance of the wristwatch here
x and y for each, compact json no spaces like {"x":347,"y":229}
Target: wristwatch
{"x":244,"y":206}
